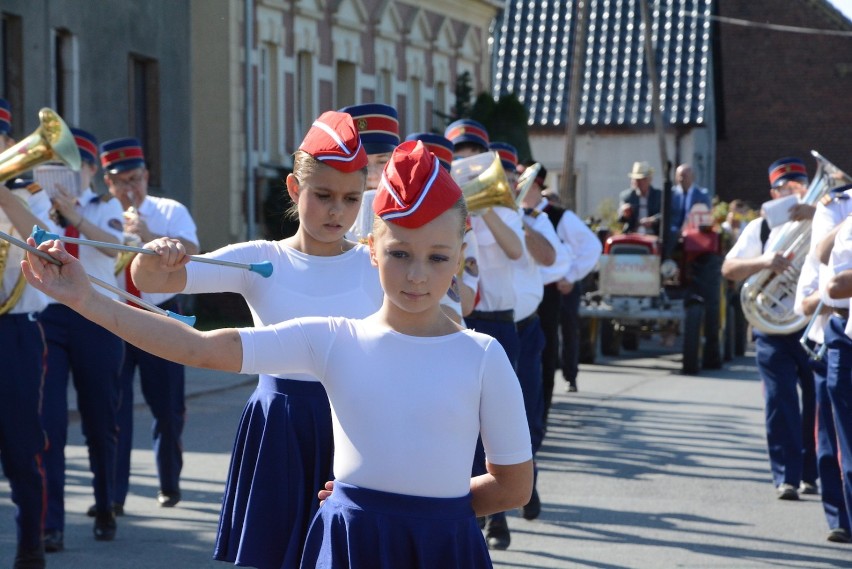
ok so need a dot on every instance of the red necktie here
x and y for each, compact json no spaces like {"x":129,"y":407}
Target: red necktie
{"x":72,"y":248}
{"x":129,"y":286}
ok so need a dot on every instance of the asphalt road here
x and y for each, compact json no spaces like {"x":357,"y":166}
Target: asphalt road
{"x":642,"y":468}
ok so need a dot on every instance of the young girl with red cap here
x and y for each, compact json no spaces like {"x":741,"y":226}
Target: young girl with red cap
{"x":410,"y":390}
{"x":283,"y":449}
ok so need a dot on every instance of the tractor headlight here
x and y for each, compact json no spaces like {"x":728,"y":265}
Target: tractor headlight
{"x":668,"y":269}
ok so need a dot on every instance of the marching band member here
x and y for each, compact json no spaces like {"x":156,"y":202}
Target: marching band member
{"x":781,"y":360}
{"x":22,"y":438}
{"x":378,"y":127}
{"x":563,"y":291}
{"x":499,"y":235}
{"x":544,"y":251}
{"x":807,"y":302}
{"x":404,"y":430}
{"x":838,"y":337}
{"x":283,"y":449}
{"x":92,"y":354}
{"x":461,"y":298}
{"x":162,"y":381}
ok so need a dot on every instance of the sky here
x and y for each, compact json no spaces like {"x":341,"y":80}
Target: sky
{"x":844,"y":6}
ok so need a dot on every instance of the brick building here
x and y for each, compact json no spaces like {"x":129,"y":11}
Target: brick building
{"x":780,"y":93}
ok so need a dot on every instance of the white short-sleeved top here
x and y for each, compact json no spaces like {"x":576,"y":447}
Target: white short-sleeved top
{"x":496,"y":283}
{"x":809,"y":283}
{"x":529,"y":280}
{"x":31,"y":300}
{"x":830,"y":213}
{"x":406,"y":410}
{"x":300,"y":284}
{"x":749,"y":246}
{"x":841,"y":260}
{"x":170,"y":218}
{"x":105,"y":214}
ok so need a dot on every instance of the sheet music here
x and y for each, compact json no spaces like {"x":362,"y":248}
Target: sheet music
{"x":50,"y":176}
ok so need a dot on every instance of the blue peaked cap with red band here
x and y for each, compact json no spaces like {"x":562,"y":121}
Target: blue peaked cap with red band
{"x":467,"y":130}
{"x":5,"y":117}
{"x":122,"y":154}
{"x":334,"y":141}
{"x":377,"y":124}
{"x":786,"y":169}
{"x":87,"y":144}
{"x":415,"y":188}
{"x":438,"y":145}
{"x":508,"y":155}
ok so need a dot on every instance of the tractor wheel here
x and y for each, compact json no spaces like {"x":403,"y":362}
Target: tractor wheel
{"x":693,"y":322}
{"x":588,"y":340}
{"x":610,"y":338}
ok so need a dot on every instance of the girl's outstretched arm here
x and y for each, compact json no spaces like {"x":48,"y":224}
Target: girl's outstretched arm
{"x":159,"y":335}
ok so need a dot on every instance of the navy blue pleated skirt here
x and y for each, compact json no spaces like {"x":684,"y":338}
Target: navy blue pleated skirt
{"x":358,"y":528}
{"x":282,"y":457}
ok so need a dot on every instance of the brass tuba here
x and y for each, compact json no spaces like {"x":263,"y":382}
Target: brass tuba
{"x":767,"y":297}
{"x":483,"y":182}
{"x":51,"y":141}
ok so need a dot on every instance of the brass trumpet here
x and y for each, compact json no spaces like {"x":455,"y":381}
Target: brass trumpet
{"x":51,"y":141}
{"x":483,"y":182}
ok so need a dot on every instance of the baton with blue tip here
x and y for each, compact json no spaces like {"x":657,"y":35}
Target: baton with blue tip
{"x":263,"y":268}
{"x":188,"y":320}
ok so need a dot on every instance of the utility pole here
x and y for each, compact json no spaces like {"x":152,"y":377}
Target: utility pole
{"x":659,"y":127}
{"x":568,"y":187}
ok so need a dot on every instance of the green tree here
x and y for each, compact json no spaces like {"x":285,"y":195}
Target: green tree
{"x":505,"y":120}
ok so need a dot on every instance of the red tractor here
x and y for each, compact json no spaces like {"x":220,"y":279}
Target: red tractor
{"x":638,"y":293}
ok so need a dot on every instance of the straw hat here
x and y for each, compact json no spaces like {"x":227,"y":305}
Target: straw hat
{"x":640,"y":170}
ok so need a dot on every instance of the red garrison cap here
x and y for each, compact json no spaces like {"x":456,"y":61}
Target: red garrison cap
{"x":415,"y":189}
{"x":333,"y":139}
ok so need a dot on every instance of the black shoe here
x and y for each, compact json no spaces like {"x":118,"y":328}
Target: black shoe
{"x":712,"y":362}
{"x":104,"y":526}
{"x":808,"y":488}
{"x":533,"y":508}
{"x":571,"y":388}
{"x":839,"y":535}
{"x":29,"y":559}
{"x":787,"y":492}
{"x":117,"y":509}
{"x":497,"y":532}
{"x":53,"y":541}
{"x":168,"y":499}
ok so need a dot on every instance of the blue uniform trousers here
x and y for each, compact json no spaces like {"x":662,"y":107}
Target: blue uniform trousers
{"x":21,"y":436}
{"x":531,"y":339}
{"x":783,"y":364}
{"x":93,"y":356}
{"x":839,"y":382}
{"x":162,"y":385}
{"x":827,"y":462}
